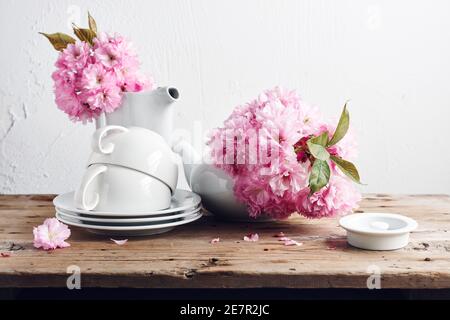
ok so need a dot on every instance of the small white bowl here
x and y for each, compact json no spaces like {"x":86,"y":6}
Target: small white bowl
{"x":378,"y":231}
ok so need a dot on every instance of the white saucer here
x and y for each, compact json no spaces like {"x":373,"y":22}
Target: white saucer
{"x":181,"y":200}
{"x":140,"y":230}
{"x":127,"y":221}
{"x":125,"y":225}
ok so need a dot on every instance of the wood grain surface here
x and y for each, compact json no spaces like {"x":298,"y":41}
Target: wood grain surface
{"x":185,"y":258}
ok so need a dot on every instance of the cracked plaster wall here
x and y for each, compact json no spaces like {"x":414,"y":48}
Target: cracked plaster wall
{"x":391,"y":58}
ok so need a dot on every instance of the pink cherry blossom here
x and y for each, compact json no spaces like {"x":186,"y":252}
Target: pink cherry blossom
{"x":51,"y":235}
{"x":74,"y":57}
{"x":135,"y":82}
{"x":293,"y":179}
{"x":251,"y":237}
{"x":106,"y":99}
{"x":291,"y":242}
{"x":262,"y":146}
{"x":70,"y":102}
{"x":90,"y":80}
{"x":338,"y":197}
{"x":95,"y":77}
{"x":114,"y":52}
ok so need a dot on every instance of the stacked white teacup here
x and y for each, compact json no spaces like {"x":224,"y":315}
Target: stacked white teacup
{"x":129,"y":186}
{"x":130,"y":169}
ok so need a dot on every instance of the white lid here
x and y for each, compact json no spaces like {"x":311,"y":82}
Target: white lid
{"x":378,"y":223}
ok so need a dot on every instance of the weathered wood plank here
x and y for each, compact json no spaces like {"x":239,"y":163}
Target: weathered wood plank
{"x":184,"y":258}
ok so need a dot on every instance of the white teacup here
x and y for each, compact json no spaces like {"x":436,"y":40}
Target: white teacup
{"x":115,"y":188}
{"x":135,"y":148}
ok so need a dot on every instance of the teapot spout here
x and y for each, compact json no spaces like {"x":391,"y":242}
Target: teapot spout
{"x":168,"y":95}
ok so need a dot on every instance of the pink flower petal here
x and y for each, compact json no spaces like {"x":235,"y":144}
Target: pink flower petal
{"x":51,"y":234}
{"x":5,"y":254}
{"x":279,"y":235}
{"x":252,"y":237}
{"x":215,"y":240}
{"x":292,"y":243}
{"x":119,"y":242}
{"x":331,"y":248}
{"x":284,"y":239}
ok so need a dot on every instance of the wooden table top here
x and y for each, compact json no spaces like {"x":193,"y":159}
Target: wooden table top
{"x":185,"y":258}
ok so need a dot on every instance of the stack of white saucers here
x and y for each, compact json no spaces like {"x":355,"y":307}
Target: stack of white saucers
{"x":185,"y":207}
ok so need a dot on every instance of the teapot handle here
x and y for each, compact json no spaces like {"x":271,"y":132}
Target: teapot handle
{"x":100,"y":134}
{"x":189,"y":156}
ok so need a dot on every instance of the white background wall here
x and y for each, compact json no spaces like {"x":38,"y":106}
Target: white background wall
{"x":391,"y":58}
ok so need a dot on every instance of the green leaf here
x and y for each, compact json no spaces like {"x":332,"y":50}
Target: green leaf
{"x":341,"y":128}
{"x":320,"y":175}
{"x":92,"y":23}
{"x":321,"y":140}
{"x":86,"y":35}
{"x":347,"y":168}
{"x":59,"y":40}
{"x":318,"y":151}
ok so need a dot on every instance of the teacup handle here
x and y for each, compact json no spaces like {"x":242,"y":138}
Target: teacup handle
{"x":100,"y":134}
{"x":81,"y":194}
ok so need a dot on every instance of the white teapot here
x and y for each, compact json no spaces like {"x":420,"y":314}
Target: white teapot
{"x":153,"y":110}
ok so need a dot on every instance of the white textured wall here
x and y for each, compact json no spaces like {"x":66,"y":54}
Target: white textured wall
{"x":391,"y":58}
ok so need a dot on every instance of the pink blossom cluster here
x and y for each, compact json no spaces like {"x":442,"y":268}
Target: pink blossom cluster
{"x":90,"y":80}
{"x":51,"y":234}
{"x":257,"y":146}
